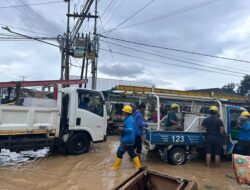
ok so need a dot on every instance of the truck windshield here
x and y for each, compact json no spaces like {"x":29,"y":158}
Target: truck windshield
{"x":90,"y":101}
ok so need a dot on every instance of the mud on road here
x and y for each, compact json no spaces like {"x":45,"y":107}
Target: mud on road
{"x":93,"y":171}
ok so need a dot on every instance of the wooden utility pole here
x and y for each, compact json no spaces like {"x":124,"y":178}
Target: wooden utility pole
{"x":67,"y":49}
{"x":94,"y":62}
{"x":72,"y":35}
{"x":84,"y":58}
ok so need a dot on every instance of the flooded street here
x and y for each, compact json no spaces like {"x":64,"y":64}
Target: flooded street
{"x":93,"y":171}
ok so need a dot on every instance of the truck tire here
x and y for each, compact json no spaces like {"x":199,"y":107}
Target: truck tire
{"x":177,"y":156}
{"x":78,"y":144}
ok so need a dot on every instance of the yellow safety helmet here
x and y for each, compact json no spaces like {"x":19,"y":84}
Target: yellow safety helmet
{"x":127,"y":109}
{"x":174,"y":106}
{"x":245,"y":113}
{"x":214,"y":108}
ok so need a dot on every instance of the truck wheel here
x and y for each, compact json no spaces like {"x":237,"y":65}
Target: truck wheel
{"x":78,"y":144}
{"x":177,"y":156}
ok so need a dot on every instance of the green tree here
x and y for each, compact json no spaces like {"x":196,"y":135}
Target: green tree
{"x":244,"y":87}
{"x":229,"y":87}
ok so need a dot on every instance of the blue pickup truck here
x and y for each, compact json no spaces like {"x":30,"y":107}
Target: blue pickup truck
{"x":174,"y":146}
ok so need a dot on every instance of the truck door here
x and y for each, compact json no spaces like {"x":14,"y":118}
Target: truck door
{"x":91,"y":113}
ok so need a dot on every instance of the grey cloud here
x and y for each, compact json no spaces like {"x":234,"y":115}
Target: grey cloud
{"x":123,"y":70}
{"x":197,"y":30}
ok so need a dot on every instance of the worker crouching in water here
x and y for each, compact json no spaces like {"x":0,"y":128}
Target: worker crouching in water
{"x":127,"y":140}
{"x":243,"y":146}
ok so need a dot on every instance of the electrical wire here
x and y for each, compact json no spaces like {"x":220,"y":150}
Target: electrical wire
{"x":175,"y":59}
{"x":107,"y":8}
{"x":113,"y":13}
{"x":29,"y":37}
{"x":24,"y":29}
{"x":191,"y":59}
{"x":113,"y":58}
{"x":177,"y":50}
{"x":26,"y":13}
{"x":131,"y":16}
{"x":34,"y":15}
{"x":156,"y":61}
{"x":173,"y":13}
{"x":34,"y":4}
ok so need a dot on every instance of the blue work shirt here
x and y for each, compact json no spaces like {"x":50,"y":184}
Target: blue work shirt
{"x":171,"y":117}
{"x":128,"y":136}
{"x":139,"y":122}
{"x":244,"y":133}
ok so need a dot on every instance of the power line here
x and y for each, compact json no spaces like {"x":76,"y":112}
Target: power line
{"x":113,"y":58}
{"x":25,"y":38}
{"x":188,"y":58}
{"x":200,"y":61}
{"x":113,"y":13}
{"x":131,"y":16}
{"x":175,"y":59}
{"x":34,"y":4}
{"x":24,"y":29}
{"x":107,"y":8}
{"x":177,"y":50}
{"x":6,"y":28}
{"x":35,"y":16}
{"x":174,"y":13}
{"x":186,"y":67}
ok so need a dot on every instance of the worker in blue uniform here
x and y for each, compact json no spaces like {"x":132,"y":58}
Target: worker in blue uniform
{"x":243,"y":146}
{"x":139,"y":125}
{"x":127,"y":140}
{"x":84,"y":104}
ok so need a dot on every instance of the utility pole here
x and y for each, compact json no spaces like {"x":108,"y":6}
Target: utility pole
{"x":61,"y":41}
{"x":84,"y":58}
{"x":67,"y":49}
{"x":23,"y":77}
{"x":94,"y":62}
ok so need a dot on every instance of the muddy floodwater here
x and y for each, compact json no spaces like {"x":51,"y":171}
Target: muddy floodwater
{"x":93,"y":171}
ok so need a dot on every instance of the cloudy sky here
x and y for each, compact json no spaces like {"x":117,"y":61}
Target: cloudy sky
{"x":216,"y":27}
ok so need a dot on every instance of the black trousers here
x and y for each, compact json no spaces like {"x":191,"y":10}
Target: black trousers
{"x":213,"y":145}
{"x":243,"y":148}
{"x":125,"y":148}
{"x":138,"y":144}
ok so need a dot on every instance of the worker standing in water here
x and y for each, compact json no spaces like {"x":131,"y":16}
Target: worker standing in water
{"x":243,"y":146}
{"x":213,"y":139}
{"x":139,"y":125}
{"x":127,"y":140}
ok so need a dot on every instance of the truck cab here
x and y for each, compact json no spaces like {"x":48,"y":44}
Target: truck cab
{"x":83,"y":119}
{"x":79,"y":118}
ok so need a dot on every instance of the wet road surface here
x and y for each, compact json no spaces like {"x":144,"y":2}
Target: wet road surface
{"x":93,"y":171}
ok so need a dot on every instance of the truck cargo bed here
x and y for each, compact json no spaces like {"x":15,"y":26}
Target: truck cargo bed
{"x":18,"y":120}
{"x":150,"y":180}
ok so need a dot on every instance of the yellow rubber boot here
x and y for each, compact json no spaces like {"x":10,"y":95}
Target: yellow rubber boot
{"x":137,"y":162}
{"x":117,"y":164}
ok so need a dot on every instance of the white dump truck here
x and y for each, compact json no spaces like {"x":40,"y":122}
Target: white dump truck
{"x":79,"y":118}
